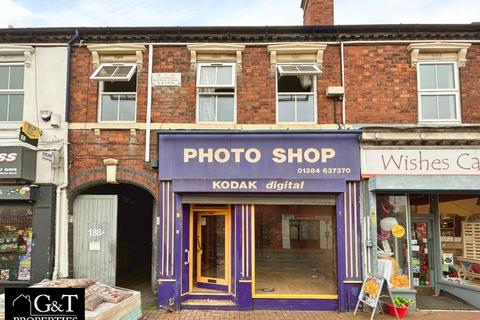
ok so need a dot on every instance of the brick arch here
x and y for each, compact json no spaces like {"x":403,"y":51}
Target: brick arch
{"x":92,"y":177}
{"x":146,"y":180}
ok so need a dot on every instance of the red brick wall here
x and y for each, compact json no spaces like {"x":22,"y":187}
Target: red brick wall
{"x":318,"y":12}
{"x":87,"y":151}
{"x":174,"y":104}
{"x":379,"y":81}
{"x":381,"y":88}
{"x":256,"y":88}
{"x":83,"y":91}
{"x":331,"y":76}
{"x":380,"y":84}
{"x":470,"y":86}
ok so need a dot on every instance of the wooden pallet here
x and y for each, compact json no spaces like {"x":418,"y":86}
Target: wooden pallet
{"x":129,"y":308}
{"x":471,"y":240}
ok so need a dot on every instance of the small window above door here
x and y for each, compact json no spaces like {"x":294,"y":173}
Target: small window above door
{"x":114,"y":72}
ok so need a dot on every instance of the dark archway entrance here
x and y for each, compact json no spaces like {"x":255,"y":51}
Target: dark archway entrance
{"x":134,"y":235}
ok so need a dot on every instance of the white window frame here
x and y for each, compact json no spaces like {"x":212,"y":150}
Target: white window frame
{"x":314,"y":93}
{"x":293,"y":73}
{"x":439,"y":92}
{"x":133,"y":68}
{"x":14,"y":91}
{"x":101,"y":93}
{"x":233,"y":86}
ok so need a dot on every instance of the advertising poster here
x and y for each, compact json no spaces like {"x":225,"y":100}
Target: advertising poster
{"x":371,"y":290}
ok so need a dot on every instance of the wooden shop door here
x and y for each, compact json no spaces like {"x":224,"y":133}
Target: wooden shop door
{"x":212,"y":247}
{"x":95,"y":237}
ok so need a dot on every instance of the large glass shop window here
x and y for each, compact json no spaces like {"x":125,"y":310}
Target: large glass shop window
{"x":15,"y":242}
{"x":295,"y":251}
{"x":460,"y":238}
{"x":392,"y":241}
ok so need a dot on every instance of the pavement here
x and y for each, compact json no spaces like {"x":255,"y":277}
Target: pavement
{"x":152,"y":314}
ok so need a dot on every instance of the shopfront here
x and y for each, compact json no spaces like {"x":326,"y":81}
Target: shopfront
{"x":26,"y":218}
{"x":259,"y":220}
{"x":423,"y":222}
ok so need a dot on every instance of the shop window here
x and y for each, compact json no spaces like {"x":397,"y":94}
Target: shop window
{"x":295,"y":252}
{"x":11,"y":91}
{"x":438,"y":91}
{"x":420,"y":204}
{"x":117,"y":92}
{"x":216,"y":93}
{"x":296,"y":93}
{"x":392,"y":239}
{"x":15,"y":242}
{"x":459,"y":236}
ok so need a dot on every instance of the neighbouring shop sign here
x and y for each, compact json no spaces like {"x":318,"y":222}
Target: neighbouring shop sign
{"x":17,"y":163}
{"x":415,"y":161}
{"x":29,"y":133}
{"x":271,"y":156}
{"x":16,"y":192}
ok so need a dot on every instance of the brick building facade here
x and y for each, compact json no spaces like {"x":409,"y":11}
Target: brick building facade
{"x":340,"y":85}
{"x":379,"y":81}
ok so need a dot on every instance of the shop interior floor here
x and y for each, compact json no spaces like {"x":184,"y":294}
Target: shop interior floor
{"x":288,"y":277}
{"x":444,"y":301}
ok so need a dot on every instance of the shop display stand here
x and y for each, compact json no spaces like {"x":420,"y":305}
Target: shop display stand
{"x":384,"y":292}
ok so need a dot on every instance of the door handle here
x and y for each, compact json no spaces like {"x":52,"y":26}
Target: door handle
{"x":430,"y":254}
{"x":188,"y":257}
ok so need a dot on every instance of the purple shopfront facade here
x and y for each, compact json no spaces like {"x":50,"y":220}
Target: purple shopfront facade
{"x":240,"y":169}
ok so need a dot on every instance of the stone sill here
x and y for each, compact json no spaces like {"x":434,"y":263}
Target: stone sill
{"x":196,"y":126}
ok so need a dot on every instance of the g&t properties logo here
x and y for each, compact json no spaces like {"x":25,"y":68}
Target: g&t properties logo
{"x":44,"y":304}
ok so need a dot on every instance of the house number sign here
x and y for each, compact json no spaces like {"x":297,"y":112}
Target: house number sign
{"x":95,"y":232}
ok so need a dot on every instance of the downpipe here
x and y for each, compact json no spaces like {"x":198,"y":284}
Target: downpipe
{"x":61,"y":222}
{"x":61,"y":217}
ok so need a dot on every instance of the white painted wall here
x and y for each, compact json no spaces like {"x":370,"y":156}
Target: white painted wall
{"x":44,"y":88}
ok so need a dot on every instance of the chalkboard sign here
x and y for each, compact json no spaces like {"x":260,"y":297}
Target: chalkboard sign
{"x":371,"y":292}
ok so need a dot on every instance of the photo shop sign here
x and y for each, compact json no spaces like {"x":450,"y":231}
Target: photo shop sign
{"x":258,"y":161}
{"x":424,"y":161}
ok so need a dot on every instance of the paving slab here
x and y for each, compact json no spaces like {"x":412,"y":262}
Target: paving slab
{"x":299,"y":315}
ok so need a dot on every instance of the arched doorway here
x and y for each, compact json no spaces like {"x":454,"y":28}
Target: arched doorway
{"x":113,"y":236}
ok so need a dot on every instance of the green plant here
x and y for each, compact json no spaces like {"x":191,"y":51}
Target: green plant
{"x":402,"y":302}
